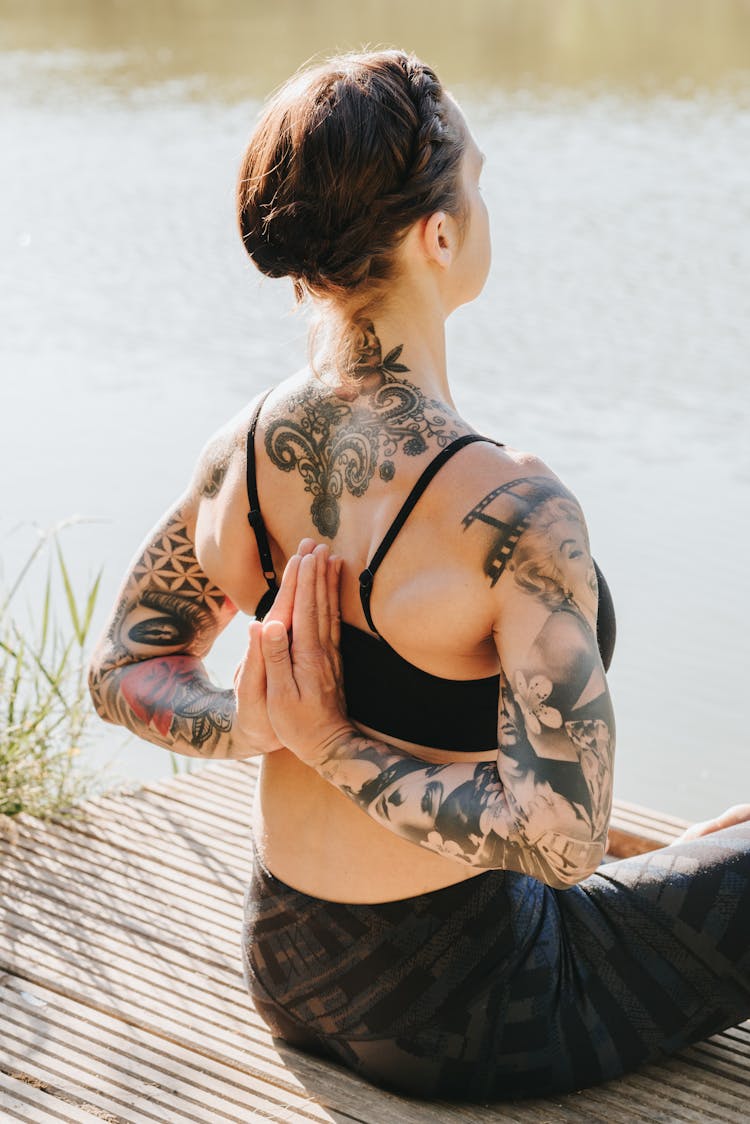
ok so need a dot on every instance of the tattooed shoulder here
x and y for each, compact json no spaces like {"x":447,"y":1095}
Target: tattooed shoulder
{"x":217,"y":456}
{"x":214,"y":464}
{"x":535,"y":530}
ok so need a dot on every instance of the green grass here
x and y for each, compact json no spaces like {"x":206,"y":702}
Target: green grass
{"x":44,"y":701}
{"x":180,"y":764}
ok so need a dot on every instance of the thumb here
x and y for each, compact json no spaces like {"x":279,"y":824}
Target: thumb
{"x":276,"y":651}
{"x":281,"y":688}
{"x":250,"y":676}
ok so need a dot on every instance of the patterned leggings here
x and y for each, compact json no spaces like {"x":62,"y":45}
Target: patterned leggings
{"x":502,"y":987}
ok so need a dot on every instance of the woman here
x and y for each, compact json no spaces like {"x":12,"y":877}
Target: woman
{"x":425,"y":906}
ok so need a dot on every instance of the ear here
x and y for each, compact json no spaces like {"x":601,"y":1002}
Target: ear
{"x":439,"y":238}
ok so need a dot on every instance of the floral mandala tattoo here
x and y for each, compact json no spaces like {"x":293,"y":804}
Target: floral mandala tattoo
{"x":336,"y":443}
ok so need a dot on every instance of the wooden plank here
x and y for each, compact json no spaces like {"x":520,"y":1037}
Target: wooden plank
{"x":38,"y":912}
{"x":210,"y":789}
{"x":120,"y":905}
{"x":197,"y":792}
{"x":188,"y":806}
{"x":665,"y":820}
{"x":168,"y":981}
{"x":655,"y":1097}
{"x":634,"y":830}
{"x":141,"y":1003}
{"x":265,"y":1062}
{"x":233,"y":774}
{"x":22,"y":1100}
{"x":730,"y":1055}
{"x":137,"y":839}
{"x":121,"y":1080}
{"x":671,"y":1087}
{"x":717,"y":1070}
{"x":127,"y":1049}
{"x":148,"y":870}
{"x":235,"y":788}
{"x":156,"y":820}
{"x":146,"y":804}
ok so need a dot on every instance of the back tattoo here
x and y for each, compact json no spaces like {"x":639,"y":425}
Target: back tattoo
{"x":337,"y":441}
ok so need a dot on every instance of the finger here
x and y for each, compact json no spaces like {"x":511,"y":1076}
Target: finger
{"x":256,"y":668}
{"x":321,"y":593}
{"x":306,"y":546}
{"x":250,"y":676}
{"x":305,"y":612}
{"x":281,"y":610}
{"x":278,"y":664}
{"x":335,"y":566}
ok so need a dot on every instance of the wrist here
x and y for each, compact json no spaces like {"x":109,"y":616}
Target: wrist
{"x":249,"y":741}
{"x":334,"y":746}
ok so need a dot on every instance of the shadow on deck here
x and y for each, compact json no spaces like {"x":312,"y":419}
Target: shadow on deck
{"x":123,"y":1001}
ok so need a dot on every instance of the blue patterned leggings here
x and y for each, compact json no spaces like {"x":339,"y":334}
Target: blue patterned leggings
{"x":502,"y":987}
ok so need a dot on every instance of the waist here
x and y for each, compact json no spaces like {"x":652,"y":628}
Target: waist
{"x":314,"y":839}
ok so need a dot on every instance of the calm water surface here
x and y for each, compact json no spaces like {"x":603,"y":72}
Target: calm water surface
{"x":612,"y":338}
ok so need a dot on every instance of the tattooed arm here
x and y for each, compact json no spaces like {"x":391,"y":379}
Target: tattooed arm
{"x":543,"y":807}
{"x":147,"y":672}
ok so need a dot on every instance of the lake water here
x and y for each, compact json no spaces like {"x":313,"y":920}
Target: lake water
{"x":612,"y":339}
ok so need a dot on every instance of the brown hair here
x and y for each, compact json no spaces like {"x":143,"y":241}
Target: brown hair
{"x":346,"y":157}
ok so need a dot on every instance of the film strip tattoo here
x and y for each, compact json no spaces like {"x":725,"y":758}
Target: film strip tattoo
{"x":147,"y":674}
{"x":508,"y":511}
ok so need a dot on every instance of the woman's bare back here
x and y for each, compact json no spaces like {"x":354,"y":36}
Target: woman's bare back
{"x":337,"y":467}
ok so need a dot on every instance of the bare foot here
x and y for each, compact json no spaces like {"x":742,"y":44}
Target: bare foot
{"x":738,"y":813}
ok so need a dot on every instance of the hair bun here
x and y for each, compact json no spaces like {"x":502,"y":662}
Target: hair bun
{"x":280,"y":238}
{"x":345,"y":158}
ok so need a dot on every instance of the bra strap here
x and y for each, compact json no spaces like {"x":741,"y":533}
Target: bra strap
{"x":255,"y":518}
{"x":367,"y":577}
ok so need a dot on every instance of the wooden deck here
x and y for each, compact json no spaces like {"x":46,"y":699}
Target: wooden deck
{"x":122,"y":995}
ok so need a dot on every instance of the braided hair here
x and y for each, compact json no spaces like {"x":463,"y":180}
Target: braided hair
{"x":346,"y":157}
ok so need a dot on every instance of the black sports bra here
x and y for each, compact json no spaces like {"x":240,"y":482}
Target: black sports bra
{"x":382,"y":689}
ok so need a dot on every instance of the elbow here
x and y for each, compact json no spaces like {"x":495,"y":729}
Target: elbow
{"x":555,"y":858}
{"x":565,"y":862}
{"x":566,"y":880}
{"x":96,"y":685}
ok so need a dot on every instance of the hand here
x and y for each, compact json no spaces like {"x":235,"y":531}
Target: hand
{"x":252,"y":726}
{"x":305,"y":694}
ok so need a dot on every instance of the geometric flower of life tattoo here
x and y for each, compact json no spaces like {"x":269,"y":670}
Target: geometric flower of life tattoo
{"x":170,"y":565}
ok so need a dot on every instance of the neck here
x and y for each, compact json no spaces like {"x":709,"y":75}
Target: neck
{"x":417,"y":326}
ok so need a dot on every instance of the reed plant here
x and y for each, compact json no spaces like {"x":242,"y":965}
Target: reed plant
{"x":44,"y":701}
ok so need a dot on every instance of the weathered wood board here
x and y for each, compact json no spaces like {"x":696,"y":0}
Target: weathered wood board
{"x":122,"y":997}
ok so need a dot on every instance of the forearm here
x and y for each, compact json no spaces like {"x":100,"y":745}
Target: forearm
{"x":556,"y":757}
{"x":460,"y":810}
{"x":542,"y":816}
{"x":170,"y":701}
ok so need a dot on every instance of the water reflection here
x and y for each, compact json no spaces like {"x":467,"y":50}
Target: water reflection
{"x":240,"y":48}
{"x":612,"y":338}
